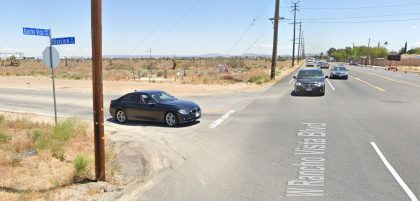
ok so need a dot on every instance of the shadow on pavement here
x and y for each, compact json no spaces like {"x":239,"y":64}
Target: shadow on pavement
{"x":151,"y":124}
{"x":294,"y":94}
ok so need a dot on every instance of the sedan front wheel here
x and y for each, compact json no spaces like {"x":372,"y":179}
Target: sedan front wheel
{"x":171,"y":119}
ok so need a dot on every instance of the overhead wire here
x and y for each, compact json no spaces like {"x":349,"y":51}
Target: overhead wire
{"x":176,"y":23}
{"x":158,"y":26}
{"x":360,"y":7}
{"x":355,"y":17}
{"x":360,"y":22}
{"x":249,"y":26}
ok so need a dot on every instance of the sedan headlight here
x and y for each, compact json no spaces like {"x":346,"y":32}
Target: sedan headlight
{"x":298,"y":84}
{"x":184,"y":112}
{"x":319,"y":84}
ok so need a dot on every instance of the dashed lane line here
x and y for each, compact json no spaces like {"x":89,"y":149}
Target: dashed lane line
{"x":221,"y":119}
{"x":394,"y":173}
{"x":330,"y":84}
{"x":375,"y":87}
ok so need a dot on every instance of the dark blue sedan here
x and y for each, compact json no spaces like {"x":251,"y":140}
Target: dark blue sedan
{"x":154,"y":105}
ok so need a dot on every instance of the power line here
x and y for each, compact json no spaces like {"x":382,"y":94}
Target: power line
{"x":355,"y":17}
{"x":176,"y":23}
{"x":361,"y":7}
{"x":359,"y":22}
{"x":294,"y":31}
{"x":256,"y":40}
{"x":158,"y":26}
{"x":249,"y":26}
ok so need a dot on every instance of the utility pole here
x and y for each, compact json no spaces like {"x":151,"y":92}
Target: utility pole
{"x":276,"y":32}
{"x":294,"y":32}
{"x":97,"y":88}
{"x":368,"y":51}
{"x":300,"y":38}
{"x":150,"y":66}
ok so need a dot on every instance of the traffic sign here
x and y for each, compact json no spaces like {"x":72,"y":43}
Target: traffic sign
{"x":47,"y":59}
{"x":63,"y":41}
{"x":36,"y":32}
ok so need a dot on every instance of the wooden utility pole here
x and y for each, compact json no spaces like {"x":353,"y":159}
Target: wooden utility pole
{"x":300,"y":40}
{"x":367,"y":54}
{"x":294,"y":32}
{"x":276,"y":33}
{"x":97,"y":89}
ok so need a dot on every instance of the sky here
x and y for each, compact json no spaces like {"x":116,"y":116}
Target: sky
{"x":197,"y":27}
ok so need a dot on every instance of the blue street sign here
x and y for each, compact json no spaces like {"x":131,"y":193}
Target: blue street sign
{"x":63,"y":41}
{"x":36,"y":32}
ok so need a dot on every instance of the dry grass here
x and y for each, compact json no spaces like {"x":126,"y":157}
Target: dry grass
{"x":409,"y":69}
{"x":45,"y":170}
{"x":197,"y":71}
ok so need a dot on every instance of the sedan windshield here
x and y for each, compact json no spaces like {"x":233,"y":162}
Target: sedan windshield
{"x":307,"y":74}
{"x":162,"y":97}
{"x":340,"y":69}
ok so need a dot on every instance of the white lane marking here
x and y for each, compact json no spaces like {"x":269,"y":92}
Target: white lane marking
{"x":394,"y":173}
{"x":221,"y":119}
{"x":330,"y":85}
{"x":291,"y":80}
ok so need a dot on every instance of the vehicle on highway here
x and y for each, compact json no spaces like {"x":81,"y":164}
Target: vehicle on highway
{"x":339,"y":72}
{"x":154,"y":105}
{"x":324,"y":65}
{"x":310,"y":81}
{"x":310,"y":63}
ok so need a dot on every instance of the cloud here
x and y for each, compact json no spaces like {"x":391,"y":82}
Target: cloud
{"x":418,"y":43}
{"x":413,"y":27}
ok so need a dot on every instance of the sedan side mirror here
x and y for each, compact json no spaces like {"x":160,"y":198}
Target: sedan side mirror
{"x":326,"y":76}
{"x":294,"y":76}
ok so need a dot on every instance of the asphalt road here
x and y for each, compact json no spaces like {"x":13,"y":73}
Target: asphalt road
{"x":358,"y":142}
{"x":267,"y":152}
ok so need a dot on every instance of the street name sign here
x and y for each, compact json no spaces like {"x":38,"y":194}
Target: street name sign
{"x":36,"y":32}
{"x":63,"y":41}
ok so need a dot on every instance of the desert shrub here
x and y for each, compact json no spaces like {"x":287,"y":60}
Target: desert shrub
{"x":4,"y":137}
{"x":57,"y":151}
{"x":2,"y":120}
{"x":65,"y":130}
{"x":43,"y":141}
{"x":259,"y":79}
{"x":231,"y":78}
{"x":36,"y":134}
{"x":80,"y":164}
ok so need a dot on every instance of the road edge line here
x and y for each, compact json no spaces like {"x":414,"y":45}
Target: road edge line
{"x":394,"y":173}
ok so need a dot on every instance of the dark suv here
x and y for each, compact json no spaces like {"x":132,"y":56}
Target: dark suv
{"x":310,"y":81}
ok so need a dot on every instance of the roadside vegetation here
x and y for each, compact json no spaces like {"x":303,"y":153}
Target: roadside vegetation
{"x":181,"y":70}
{"x":36,"y":158}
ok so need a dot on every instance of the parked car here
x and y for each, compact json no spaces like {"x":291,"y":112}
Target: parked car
{"x":339,"y":72}
{"x":310,"y":81}
{"x":154,"y":105}
{"x":353,"y":63}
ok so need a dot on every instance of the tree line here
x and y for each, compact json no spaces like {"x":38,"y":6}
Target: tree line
{"x":363,"y":52}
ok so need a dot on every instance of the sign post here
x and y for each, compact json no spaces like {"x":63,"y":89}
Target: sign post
{"x":50,"y":56}
{"x":53,"y":80}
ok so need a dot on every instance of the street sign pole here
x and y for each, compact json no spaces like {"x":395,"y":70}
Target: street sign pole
{"x":52,"y":77}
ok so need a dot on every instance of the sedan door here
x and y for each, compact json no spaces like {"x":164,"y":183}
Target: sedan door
{"x":151,"y":109}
